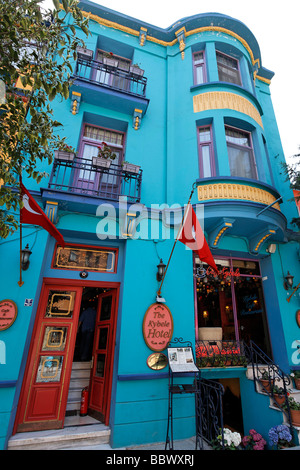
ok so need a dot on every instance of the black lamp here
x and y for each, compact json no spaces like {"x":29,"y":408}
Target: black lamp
{"x":288,"y":281}
{"x":25,"y":254}
{"x":160,"y":270}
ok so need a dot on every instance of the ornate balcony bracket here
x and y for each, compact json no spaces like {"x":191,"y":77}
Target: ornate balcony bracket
{"x":137,"y":119}
{"x":51,"y":211}
{"x":257,"y":242}
{"x":75,"y":102}
{"x":216,"y":235}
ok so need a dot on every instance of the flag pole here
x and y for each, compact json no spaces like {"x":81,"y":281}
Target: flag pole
{"x":20,"y":282}
{"x":163,"y":278}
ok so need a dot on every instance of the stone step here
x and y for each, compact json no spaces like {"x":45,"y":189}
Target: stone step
{"x":67,"y":438}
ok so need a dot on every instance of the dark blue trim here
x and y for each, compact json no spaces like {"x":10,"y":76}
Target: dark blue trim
{"x":8,"y":383}
{"x":189,"y":23}
{"x":149,"y":376}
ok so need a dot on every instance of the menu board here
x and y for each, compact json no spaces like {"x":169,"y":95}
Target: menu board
{"x":181,"y":360}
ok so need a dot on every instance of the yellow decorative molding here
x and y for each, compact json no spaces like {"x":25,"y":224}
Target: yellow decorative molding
{"x":236,"y":191}
{"x":114,"y":25}
{"x":262,"y":79}
{"x":225,"y":100}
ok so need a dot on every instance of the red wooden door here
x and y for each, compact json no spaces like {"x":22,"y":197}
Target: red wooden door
{"x":44,"y":394}
{"x":101,"y":373}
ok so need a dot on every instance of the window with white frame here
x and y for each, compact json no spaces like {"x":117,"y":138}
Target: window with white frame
{"x":228,"y":69}
{"x":240,"y":153}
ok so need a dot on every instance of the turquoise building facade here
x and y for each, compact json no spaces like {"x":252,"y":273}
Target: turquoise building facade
{"x":200,"y":117}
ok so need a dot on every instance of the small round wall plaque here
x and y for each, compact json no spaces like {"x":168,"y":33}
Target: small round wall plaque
{"x":8,"y":313}
{"x":157,"y":361}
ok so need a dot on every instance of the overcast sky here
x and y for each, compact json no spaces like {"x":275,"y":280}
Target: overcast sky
{"x":276,"y":26}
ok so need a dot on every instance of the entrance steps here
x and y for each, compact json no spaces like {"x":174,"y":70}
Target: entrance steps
{"x":80,"y":378}
{"x":72,"y":437}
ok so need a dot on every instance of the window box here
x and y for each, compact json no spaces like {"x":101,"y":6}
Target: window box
{"x":130,"y":167}
{"x":136,"y":70}
{"x":64,"y":156}
{"x":86,"y":54}
{"x":110,"y":61}
{"x":100,"y":162}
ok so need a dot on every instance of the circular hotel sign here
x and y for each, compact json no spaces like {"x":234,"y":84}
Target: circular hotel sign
{"x":157,"y":327}
{"x":8,"y":313}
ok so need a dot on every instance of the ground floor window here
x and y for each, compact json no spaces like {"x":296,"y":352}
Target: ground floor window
{"x":230,"y":306}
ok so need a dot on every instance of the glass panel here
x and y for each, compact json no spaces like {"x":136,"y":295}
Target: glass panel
{"x":49,"y":369}
{"x":204,"y":134}
{"x":198,"y":58}
{"x":60,"y":304}
{"x":54,"y":338}
{"x":251,"y":312}
{"x":103,"y":333}
{"x":228,"y":69}
{"x":237,"y":137}
{"x":81,"y":258}
{"x":240,"y":162}
{"x":100,"y":365}
{"x":103,"y":135}
{"x":246,"y":267}
{"x":89,"y":152}
{"x":206,"y":160}
{"x":199,"y":74}
{"x":106,"y":308}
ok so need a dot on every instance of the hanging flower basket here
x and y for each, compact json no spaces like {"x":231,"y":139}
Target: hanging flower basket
{"x":100,"y":162}
{"x":130,"y":167}
{"x":136,"y":70}
{"x":64,"y":155}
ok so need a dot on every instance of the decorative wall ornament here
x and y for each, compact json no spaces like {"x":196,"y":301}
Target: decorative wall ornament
{"x":143,"y":36}
{"x":226,"y":100}
{"x":75,"y":102}
{"x":236,"y":191}
{"x":180,"y":34}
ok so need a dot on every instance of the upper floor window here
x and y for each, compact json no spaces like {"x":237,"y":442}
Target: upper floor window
{"x":240,"y":153}
{"x":199,"y":68}
{"x":206,"y":155}
{"x":228,"y":69}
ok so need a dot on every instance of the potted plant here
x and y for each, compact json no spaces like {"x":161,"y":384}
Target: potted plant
{"x":136,"y":70}
{"x":232,"y":440}
{"x":280,"y":436}
{"x":266,"y":380}
{"x":279,"y":395}
{"x":109,"y":59}
{"x":296,"y":376}
{"x":66,"y":153}
{"x":254,"y":441}
{"x":83,"y":53}
{"x":104,"y":157}
{"x":130,"y":167}
{"x":295,"y":411}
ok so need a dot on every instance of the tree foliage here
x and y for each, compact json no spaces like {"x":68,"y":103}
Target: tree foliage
{"x":37,"y":49}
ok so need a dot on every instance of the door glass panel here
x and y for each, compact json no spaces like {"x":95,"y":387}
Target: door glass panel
{"x":60,"y":304}
{"x":102,"y":338}
{"x":49,"y":369}
{"x":100,"y":365}
{"x":54,"y":338}
{"x":106,"y":308}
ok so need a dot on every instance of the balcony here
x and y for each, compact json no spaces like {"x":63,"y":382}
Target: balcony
{"x":108,"y":86}
{"x":81,"y":178}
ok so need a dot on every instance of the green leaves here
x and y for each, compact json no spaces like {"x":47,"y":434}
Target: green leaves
{"x":40,"y":50}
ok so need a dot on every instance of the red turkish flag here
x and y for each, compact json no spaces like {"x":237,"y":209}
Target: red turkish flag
{"x":191,"y":235}
{"x":31,"y":213}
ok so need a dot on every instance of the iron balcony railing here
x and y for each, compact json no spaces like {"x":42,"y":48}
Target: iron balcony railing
{"x":82,"y":177}
{"x":93,"y":71}
{"x":220,"y":353}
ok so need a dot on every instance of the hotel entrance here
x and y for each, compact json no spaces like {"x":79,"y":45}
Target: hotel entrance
{"x":75,"y":322}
